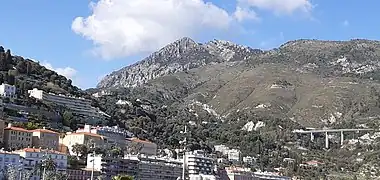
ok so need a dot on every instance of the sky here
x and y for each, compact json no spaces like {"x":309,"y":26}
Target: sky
{"x":86,"y":40}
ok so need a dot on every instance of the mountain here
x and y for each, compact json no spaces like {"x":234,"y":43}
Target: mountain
{"x":252,"y":100}
{"x":179,"y":56}
{"x":314,"y":83}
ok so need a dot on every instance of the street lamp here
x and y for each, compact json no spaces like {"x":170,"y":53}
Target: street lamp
{"x":93,"y":162}
{"x":184,"y":154}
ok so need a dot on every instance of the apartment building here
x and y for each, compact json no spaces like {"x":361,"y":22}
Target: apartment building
{"x":7,"y":90}
{"x":33,"y":156}
{"x":17,"y":138}
{"x":110,"y":166}
{"x":84,"y":138}
{"x":114,"y":135}
{"x":239,"y":173}
{"x":140,"y":167}
{"x":81,"y":174}
{"x":78,"y":106}
{"x":8,"y":158}
{"x":45,"y":139}
{"x":159,"y":168}
{"x":198,"y":164}
{"x":146,"y":147}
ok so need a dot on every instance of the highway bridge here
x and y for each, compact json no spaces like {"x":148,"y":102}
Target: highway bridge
{"x":326,"y":131}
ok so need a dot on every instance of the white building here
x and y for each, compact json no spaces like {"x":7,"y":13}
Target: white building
{"x":234,"y":155}
{"x":141,"y":167}
{"x":238,"y":173}
{"x":198,"y":164}
{"x":7,"y":90}
{"x":8,"y":158}
{"x":222,"y":148}
{"x":249,"y":159}
{"x":78,"y":106}
{"x":32,"y":157}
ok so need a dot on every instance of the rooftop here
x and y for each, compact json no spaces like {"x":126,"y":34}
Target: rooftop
{"x":38,"y":150}
{"x":16,"y":129}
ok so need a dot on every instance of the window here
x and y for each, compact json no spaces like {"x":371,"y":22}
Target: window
{"x":6,"y":159}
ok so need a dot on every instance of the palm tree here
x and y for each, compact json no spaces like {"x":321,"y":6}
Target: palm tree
{"x":122,"y":177}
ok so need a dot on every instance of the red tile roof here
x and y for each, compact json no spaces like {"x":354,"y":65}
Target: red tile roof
{"x":39,"y":150}
{"x":45,"y":131}
{"x":16,"y":129}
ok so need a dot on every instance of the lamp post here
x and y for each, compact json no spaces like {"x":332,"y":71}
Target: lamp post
{"x":184,"y":155}
{"x":93,"y":162}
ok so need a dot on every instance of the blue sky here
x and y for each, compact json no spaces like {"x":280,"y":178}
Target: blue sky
{"x":125,"y":31}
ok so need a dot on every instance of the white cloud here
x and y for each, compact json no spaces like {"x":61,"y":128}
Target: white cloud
{"x":121,"y":28}
{"x":242,"y":14}
{"x":68,"y":72}
{"x":346,"y":23}
{"x":278,"y":6}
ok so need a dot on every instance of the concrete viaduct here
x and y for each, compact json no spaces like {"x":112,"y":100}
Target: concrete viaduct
{"x":326,"y":131}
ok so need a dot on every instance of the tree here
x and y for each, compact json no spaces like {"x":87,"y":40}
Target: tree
{"x":2,"y":49}
{"x":122,"y":177}
{"x":68,"y":118}
{"x":80,"y":149}
{"x":49,"y":164}
{"x":21,"y":67}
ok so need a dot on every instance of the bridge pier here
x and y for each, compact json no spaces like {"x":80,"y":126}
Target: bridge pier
{"x":326,"y":140}
{"x":341,"y":138}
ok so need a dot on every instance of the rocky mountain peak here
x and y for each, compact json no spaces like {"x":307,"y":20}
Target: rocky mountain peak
{"x":181,"y":55}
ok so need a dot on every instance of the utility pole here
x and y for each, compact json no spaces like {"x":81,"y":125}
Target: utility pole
{"x":184,"y":155}
{"x":93,"y":162}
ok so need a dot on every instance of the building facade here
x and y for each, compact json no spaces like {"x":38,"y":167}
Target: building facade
{"x":233,"y":155}
{"x":114,"y":136}
{"x":8,"y":158}
{"x":45,"y":139}
{"x":78,"y":106}
{"x":17,"y":138}
{"x":84,"y":138}
{"x":144,"y":146}
{"x":7,"y":90}
{"x":198,"y":164}
{"x":140,"y":167}
{"x":81,"y":174}
{"x":33,"y":156}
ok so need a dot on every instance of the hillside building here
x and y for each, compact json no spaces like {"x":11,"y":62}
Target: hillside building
{"x":114,"y":135}
{"x":17,"y":138}
{"x":84,"y":138}
{"x":8,"y":91}
{"x":79,"y":106}
{"x":46,"y":139}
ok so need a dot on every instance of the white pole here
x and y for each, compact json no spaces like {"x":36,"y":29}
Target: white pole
{"x":43,"y":173}
{"x":184,"y":156}
{"x":93,"y":163}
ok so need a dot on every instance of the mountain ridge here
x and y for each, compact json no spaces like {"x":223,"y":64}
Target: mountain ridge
{"x":181,"y":55}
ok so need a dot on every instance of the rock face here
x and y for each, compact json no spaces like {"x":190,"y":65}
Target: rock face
{"x":179,"y":56}
{"x":314,"y":83}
